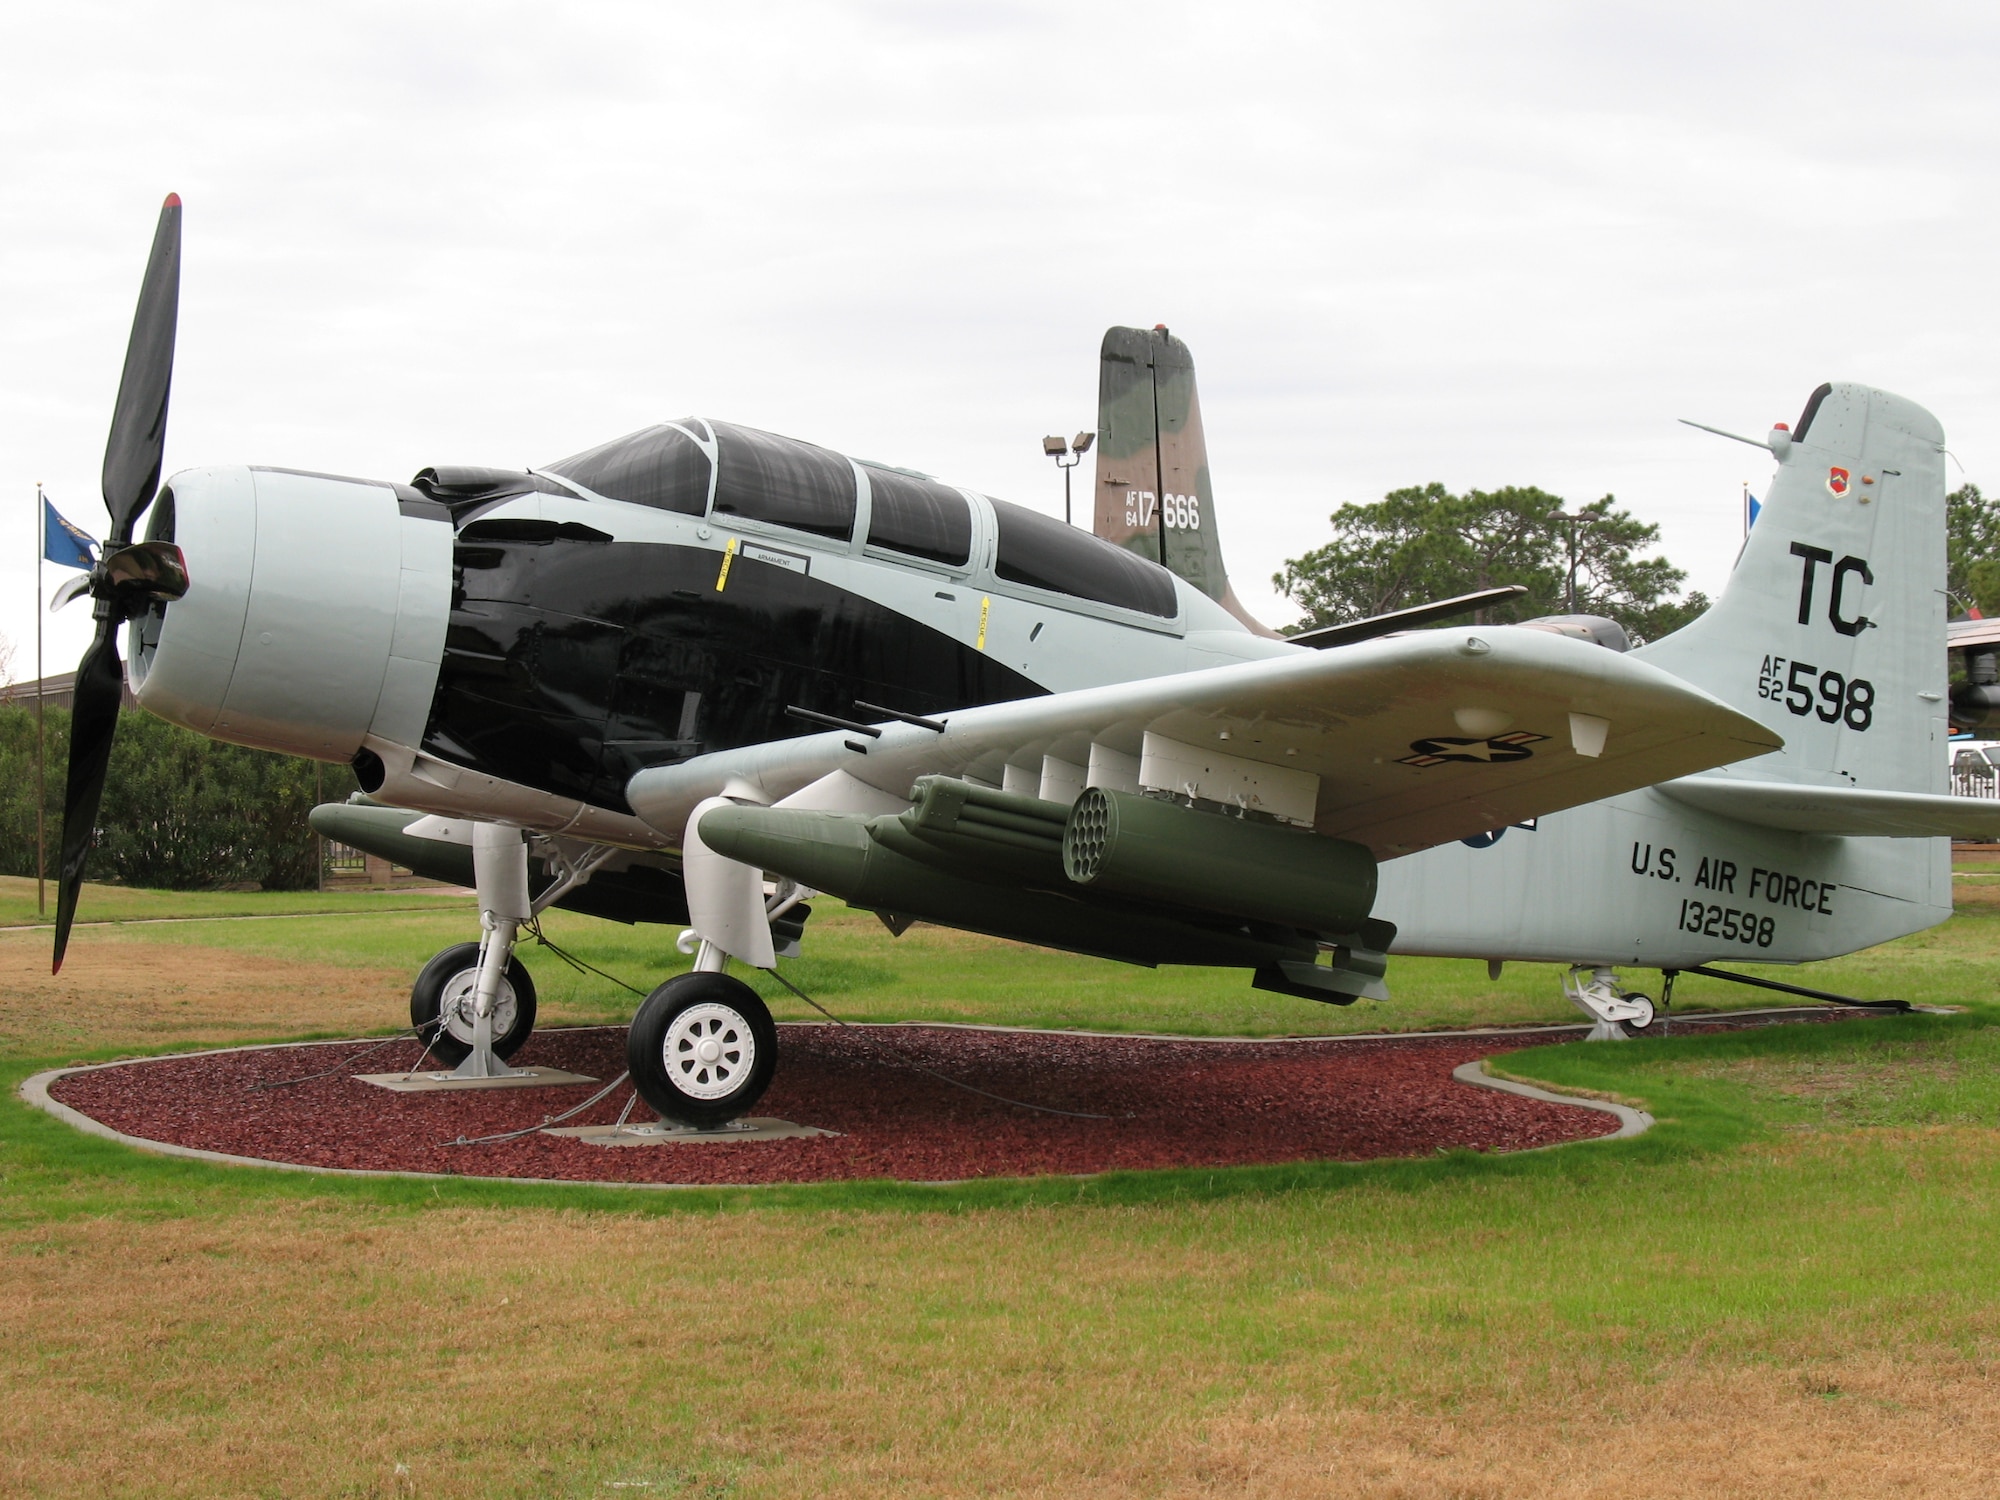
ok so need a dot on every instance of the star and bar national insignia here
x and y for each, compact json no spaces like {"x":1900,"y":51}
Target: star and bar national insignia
{"x":1435,"y":752}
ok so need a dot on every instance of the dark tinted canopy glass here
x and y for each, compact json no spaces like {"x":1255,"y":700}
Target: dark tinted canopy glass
{"x":788,"y":483}
{"x":1047,"y":554}
{"x":660,"y":467}
{"x":919,"y":517}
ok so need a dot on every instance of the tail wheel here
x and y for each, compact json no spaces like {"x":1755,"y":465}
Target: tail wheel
{"x":702,"y":1049}
{"x":446,"y":988}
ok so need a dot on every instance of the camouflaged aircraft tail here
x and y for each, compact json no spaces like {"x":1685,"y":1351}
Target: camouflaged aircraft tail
{"x":1153,"y":490}
{"x":1831,"y":628}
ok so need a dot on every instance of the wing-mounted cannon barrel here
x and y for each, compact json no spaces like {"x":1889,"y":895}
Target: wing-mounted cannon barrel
{"x":1160,"y":850}
{"x":979,"y":831}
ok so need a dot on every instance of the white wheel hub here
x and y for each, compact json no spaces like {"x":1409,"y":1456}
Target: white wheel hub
{"x":456,"y":1006}
{"x":709,"y":1051}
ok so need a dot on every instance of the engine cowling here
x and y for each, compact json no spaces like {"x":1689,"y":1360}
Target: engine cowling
{"x":315,"y":614}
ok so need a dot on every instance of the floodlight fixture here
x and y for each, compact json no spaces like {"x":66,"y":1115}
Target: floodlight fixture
{"x":1082,"y":441}
{"x":1067,"y":458}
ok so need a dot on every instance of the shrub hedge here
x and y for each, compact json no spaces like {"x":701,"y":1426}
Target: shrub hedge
{"x":180,"y":812}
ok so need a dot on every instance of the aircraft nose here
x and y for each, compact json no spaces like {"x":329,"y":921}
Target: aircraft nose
{"x":315,"y":611}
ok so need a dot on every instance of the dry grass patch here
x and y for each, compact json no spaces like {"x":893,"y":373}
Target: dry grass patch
{"x":1035,"y":1354}
{"x":1976,"y":890}
{"x":1920,"y":1425}
{"x":115,"y":991}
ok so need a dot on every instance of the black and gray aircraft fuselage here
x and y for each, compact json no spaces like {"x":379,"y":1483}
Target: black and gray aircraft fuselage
{"x":690,"y":588}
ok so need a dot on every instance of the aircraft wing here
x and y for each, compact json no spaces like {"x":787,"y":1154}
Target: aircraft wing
{"x":1836,"y":810}
{"x":1398,"y":743}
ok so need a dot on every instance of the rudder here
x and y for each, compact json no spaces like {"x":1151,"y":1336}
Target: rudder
{"x":1831,"y":627}
{"x":1153,"y":491}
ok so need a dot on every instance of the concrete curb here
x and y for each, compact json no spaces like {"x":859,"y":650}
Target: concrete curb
{"x":1631,"y":1121}
{"x":35,"y":1091}
{"x":1695,"y":1018}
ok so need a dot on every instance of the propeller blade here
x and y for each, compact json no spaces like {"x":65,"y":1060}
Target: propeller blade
{"x":126,"y":576}
{"x":76,"y":588}
{"x":137,"y":446}
{"x":100,"y":687}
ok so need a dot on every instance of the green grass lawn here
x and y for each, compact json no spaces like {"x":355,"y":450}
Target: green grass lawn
{"x":1785,"y":1288}
{"x":853,"y":966}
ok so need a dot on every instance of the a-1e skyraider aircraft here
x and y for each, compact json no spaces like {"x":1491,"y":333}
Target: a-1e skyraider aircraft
{"x":702,"y":672}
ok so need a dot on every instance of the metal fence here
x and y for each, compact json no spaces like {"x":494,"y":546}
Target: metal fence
{"x":340,"y":859}
{"x":1972,"y":775}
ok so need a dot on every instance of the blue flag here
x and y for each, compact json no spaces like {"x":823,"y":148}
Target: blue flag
{"x":1751,"y":508}
{"x":71,"y":546}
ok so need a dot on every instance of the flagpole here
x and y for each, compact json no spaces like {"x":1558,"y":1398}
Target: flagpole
{"x":41,"y":782}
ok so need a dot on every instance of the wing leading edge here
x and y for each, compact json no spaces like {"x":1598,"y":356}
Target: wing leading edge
{"x":1398,"y":744}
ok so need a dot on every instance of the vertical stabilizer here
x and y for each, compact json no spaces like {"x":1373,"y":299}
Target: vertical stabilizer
{"x":1153,"y":490}
{"x":1831,"y":628}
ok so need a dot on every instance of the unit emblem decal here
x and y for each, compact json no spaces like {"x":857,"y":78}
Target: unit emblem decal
{"x":1435,"y":752}
{"x":1836,"y":481}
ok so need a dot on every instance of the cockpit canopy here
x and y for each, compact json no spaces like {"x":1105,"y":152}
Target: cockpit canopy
{"x":702,"y":468}
{"x":663,"y":467}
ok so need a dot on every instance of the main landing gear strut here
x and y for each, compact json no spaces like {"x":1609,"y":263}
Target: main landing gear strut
{"x":702,"y":1047}
{"x":476,"y":1001}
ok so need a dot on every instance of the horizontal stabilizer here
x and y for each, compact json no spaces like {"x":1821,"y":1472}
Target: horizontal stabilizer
{"x":1839,"y":811}
{"x":1353,"y":631}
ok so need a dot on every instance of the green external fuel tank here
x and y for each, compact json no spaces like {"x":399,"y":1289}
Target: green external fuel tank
{"x":1163,"y":851}
{"x":984,"y":861}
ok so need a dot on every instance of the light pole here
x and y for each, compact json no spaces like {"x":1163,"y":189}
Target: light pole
{"x":1068,"y":454}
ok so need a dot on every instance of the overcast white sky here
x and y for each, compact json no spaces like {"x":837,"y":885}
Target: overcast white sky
{"x":1481,"y":244}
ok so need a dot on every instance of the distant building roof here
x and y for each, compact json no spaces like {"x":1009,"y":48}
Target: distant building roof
{"x":57,"y":690}
{"x":1961,"y":633}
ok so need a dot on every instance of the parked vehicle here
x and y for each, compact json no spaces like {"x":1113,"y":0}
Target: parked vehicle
{"x":1975,"y":767}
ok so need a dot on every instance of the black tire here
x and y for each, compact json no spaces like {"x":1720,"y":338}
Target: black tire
{"x":454,"y":972}
{"x":1652,"y":1014}
{"x":673,"y":1021}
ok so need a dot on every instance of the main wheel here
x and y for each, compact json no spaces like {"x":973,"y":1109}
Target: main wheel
{"x":702,"y":1049}
{"x":445,"y":988}
{"x":1645,"y":1002}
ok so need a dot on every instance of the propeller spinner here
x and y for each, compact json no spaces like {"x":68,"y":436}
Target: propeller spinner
{"x":129,"y":577}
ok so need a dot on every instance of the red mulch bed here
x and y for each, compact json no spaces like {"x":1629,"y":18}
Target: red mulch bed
{"x":1172,"y":1104}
